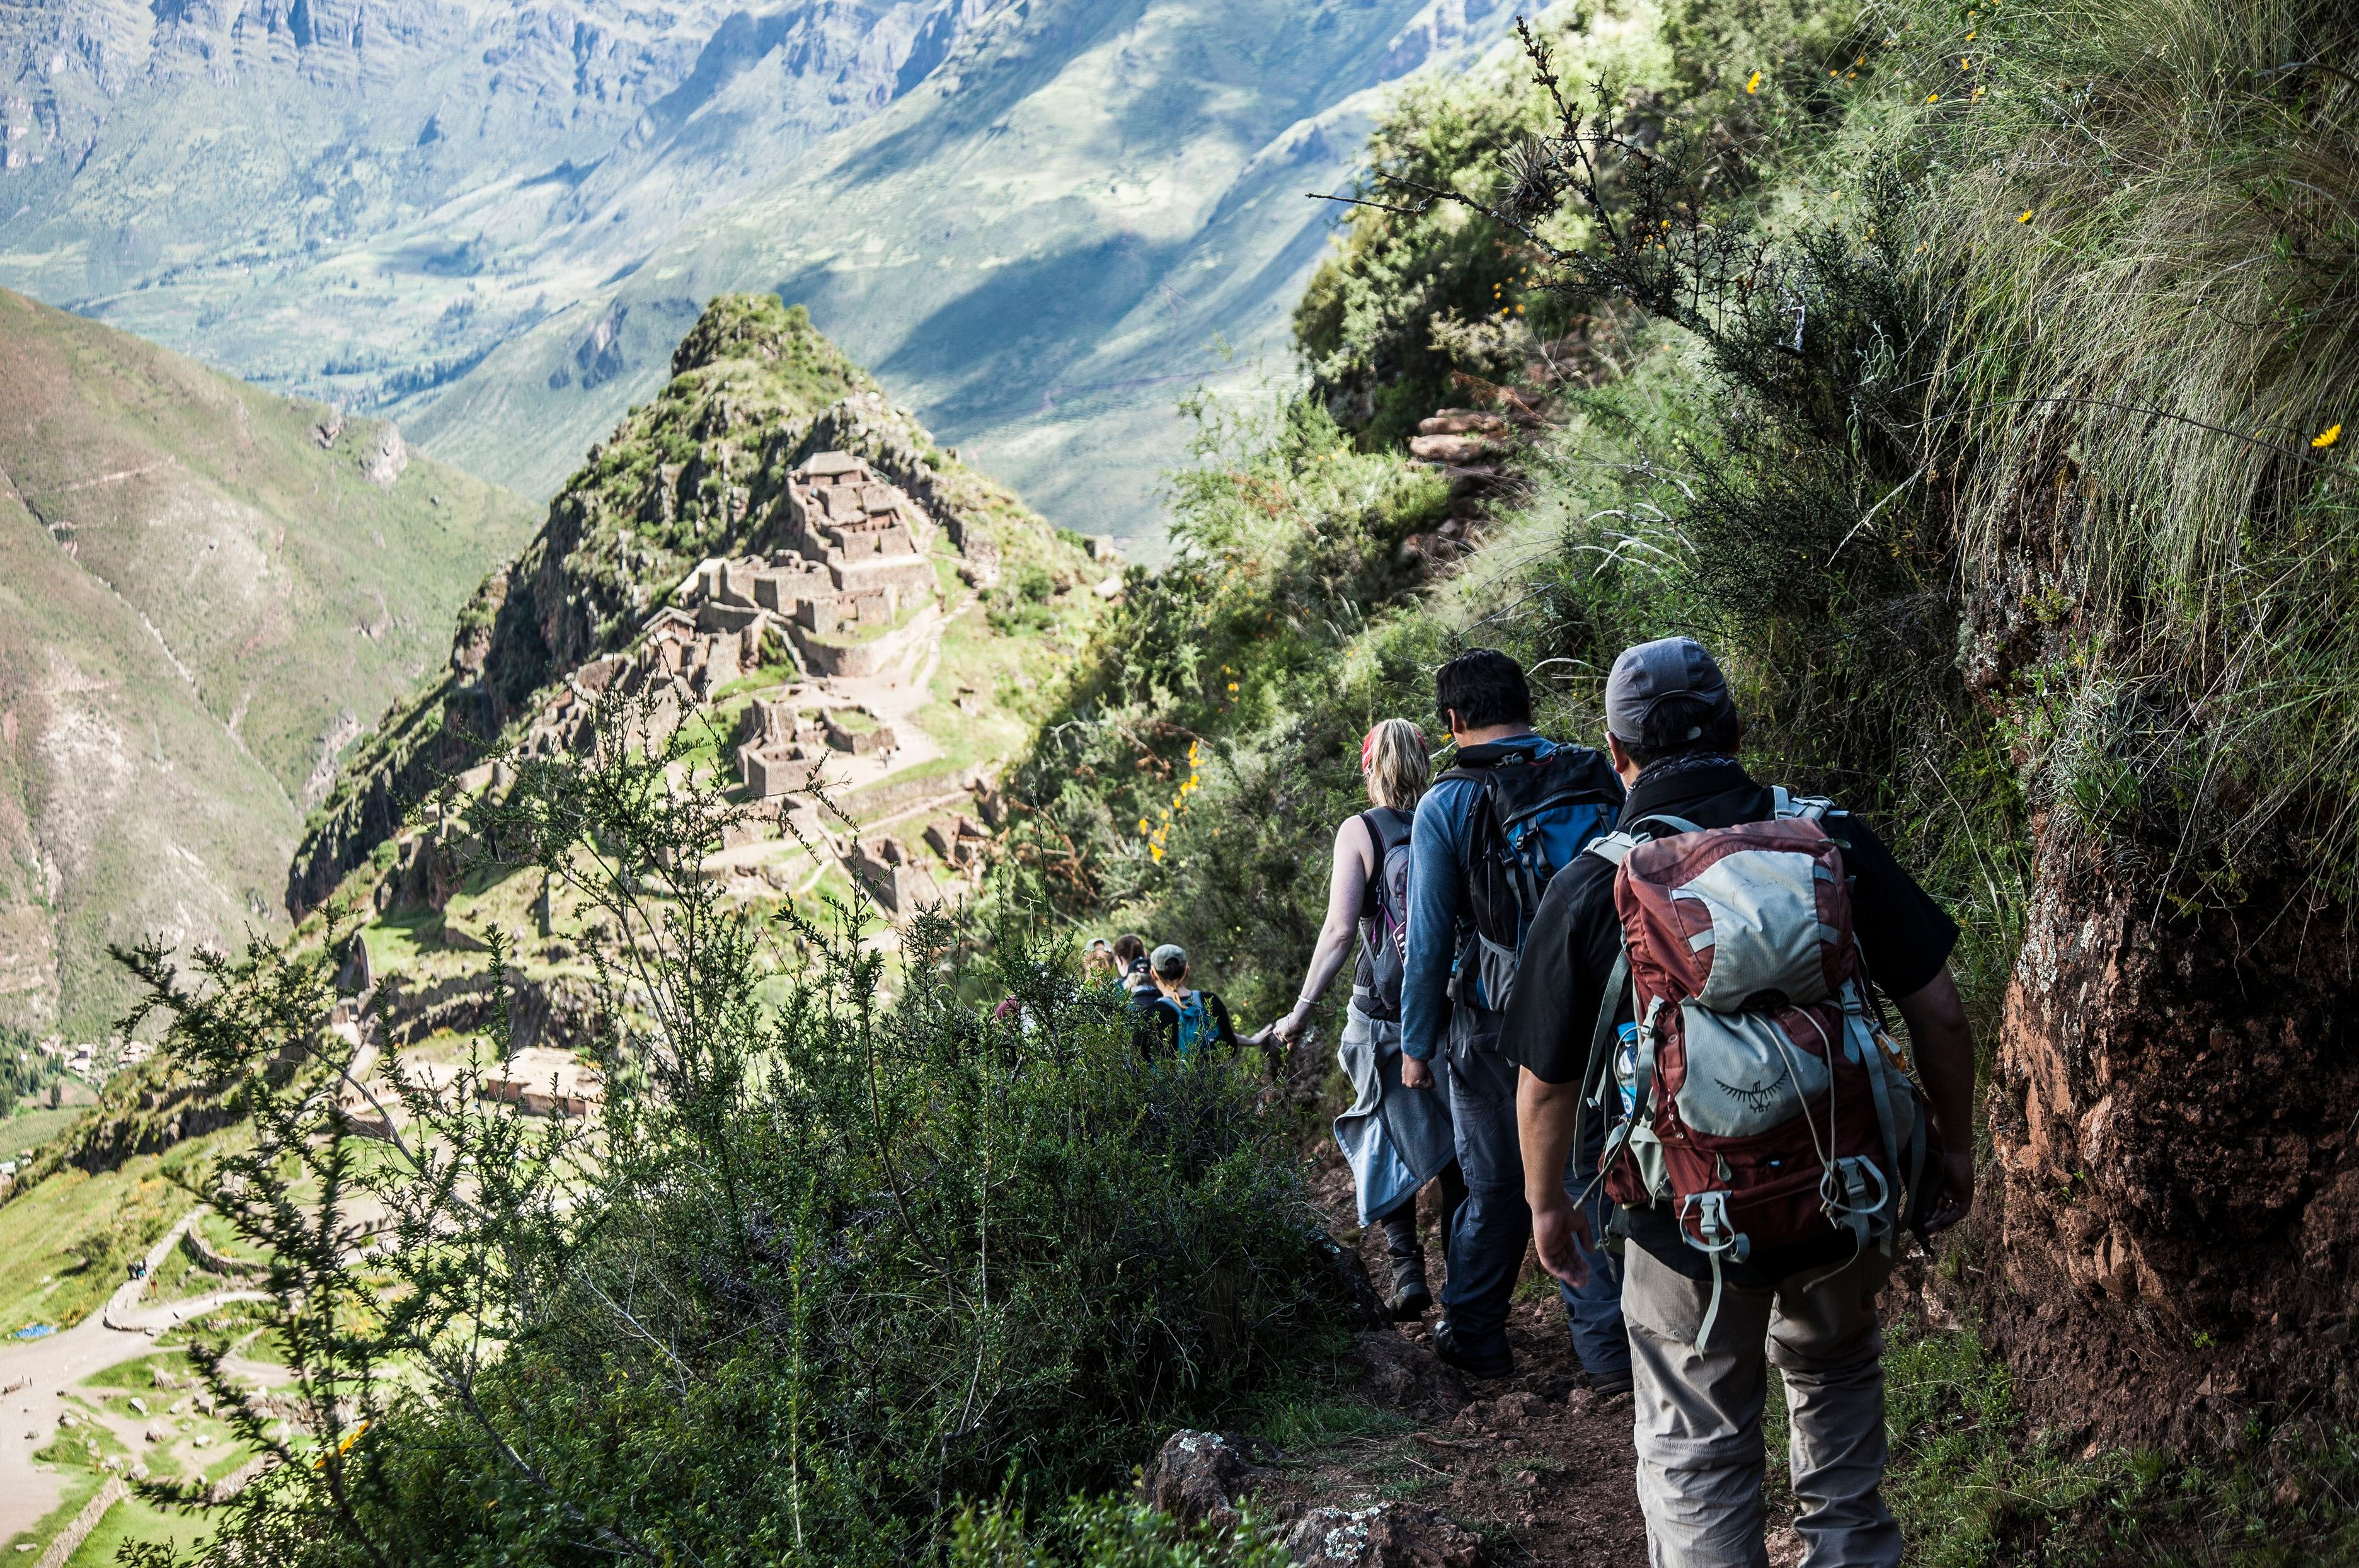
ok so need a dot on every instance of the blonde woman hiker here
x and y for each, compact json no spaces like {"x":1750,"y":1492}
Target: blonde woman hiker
{"x":1396,"y":1139}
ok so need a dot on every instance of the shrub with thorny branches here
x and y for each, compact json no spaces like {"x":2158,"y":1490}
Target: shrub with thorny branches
{"x":848,"y":1247}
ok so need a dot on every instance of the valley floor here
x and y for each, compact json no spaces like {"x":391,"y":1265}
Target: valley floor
{"x":59,"y":1390}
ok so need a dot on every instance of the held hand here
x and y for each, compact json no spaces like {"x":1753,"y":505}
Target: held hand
{"x":1956,"y":1198}
{"x":1415,"y":1074}
{"x":1289,"y":1026}
{"x":1560,"y":1232}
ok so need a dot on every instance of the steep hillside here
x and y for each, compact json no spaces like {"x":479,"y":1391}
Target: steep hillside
{"x":1031,"y":218}
{"x":1921,"y":398}
{"x":704,"y":472}
{"x":207,"y":599}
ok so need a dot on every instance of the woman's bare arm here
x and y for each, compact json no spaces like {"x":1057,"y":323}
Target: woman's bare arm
{"x":1347,"y":883}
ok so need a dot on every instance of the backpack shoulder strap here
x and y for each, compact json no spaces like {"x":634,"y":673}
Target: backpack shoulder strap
{"x":1612,"y":847}
{"x":1808,"y":807}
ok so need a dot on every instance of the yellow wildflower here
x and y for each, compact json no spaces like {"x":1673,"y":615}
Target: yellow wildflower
{"x":1232,"y":685}
{"x":1142,"y":825}
{"x":2025,"y":216}
{"x":1932,"y":98}
{"x":1753,"y":85}
{"x":2327,"y":437}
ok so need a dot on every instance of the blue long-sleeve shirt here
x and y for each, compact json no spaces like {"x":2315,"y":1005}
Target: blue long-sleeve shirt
{"x":1437,"y":876}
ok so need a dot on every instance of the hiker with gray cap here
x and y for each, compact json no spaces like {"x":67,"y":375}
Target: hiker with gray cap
{"x":1184,"y":1021}
{"x":1707,"y":981}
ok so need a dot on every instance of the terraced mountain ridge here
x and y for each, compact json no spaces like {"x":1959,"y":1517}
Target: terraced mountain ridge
{"x":699,"y":482}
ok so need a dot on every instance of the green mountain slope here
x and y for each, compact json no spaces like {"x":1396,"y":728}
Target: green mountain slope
{"x":204,"y":602}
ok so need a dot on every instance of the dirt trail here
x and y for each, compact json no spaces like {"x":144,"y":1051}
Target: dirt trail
{"x":38,"y":1374}
{"x":1534,"y":1462}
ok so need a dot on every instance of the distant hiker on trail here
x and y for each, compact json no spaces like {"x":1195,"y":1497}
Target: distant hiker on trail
{"x":1098,"y":962}
{"x":1487,"y":838}
{"x":1768,"y":1141}
{"x":1186,"y":1022}
{"x":1395,"y":1141}
{"x":1137,"y":974}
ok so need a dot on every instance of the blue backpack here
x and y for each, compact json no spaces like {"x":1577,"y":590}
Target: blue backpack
{"x":1196,"y":1023}
{"x":1534,"y":817}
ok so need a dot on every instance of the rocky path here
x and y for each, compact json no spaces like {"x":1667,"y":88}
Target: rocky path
{"x":1534,"y":1465}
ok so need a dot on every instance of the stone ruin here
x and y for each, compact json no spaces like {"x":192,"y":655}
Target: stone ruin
{"x":775,"y":735}
{"x":851,"y":557}
{"x":958,"y":840}
{"x":899,"y":884}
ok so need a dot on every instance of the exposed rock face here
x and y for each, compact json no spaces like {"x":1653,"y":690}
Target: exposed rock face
{"x":1381,"y":1535}
{"x":385,"y":464}
{"x":2175,"y":1202}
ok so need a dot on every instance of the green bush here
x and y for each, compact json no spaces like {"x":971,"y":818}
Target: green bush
{"x":825,"y":1268}
{"x":1107,"y":1534}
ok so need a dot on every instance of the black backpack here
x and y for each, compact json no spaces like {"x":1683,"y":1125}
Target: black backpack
{"x":1384,"y":906}
{"x":1534,"y":817}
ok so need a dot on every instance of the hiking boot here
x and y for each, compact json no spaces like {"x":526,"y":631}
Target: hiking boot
{"x":1605,"y":1385}
{"x":1411,"y":1300}
{"x":1498,"y":1364}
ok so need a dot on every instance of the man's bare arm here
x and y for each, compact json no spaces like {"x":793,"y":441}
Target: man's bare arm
{"x":1545,"y":1114}
{"x":1943,"y":1043}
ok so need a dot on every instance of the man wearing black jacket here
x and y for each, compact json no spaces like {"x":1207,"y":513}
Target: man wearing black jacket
{"x":1673,"y":734}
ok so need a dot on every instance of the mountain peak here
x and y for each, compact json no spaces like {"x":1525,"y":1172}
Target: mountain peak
{"x":761,"y":327}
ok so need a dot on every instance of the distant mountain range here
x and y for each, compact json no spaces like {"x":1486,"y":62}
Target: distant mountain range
{"x":1032,"y":218}
{"x":206,"y":593}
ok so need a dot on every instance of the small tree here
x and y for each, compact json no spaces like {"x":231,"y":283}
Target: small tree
{"x":846,"y":1247}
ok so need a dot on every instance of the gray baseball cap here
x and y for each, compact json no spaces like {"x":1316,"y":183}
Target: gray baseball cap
{"x":1643,"y":676}
{"x":1171,"y":961}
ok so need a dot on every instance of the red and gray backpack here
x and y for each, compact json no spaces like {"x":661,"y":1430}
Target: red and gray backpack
{"x":1764,"y":1105}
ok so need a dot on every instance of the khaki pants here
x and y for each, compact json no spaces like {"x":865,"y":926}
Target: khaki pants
{"x":1699,"y":1414}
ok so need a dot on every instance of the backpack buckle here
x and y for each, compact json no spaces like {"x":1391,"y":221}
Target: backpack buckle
{"x":1713,"y":1233}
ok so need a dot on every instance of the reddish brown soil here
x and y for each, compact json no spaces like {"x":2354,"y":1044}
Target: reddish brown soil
{"x":1534,"y":1462}
{"x":2174,"y":1213}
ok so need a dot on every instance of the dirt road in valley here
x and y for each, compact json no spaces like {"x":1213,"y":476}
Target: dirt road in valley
{"x":39,"y":1373}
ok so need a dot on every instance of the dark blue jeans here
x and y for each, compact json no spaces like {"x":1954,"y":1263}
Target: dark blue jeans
{"x":1486,"y":1245}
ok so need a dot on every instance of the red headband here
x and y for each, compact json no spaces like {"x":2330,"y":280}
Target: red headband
{"x":1368,"y":742}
